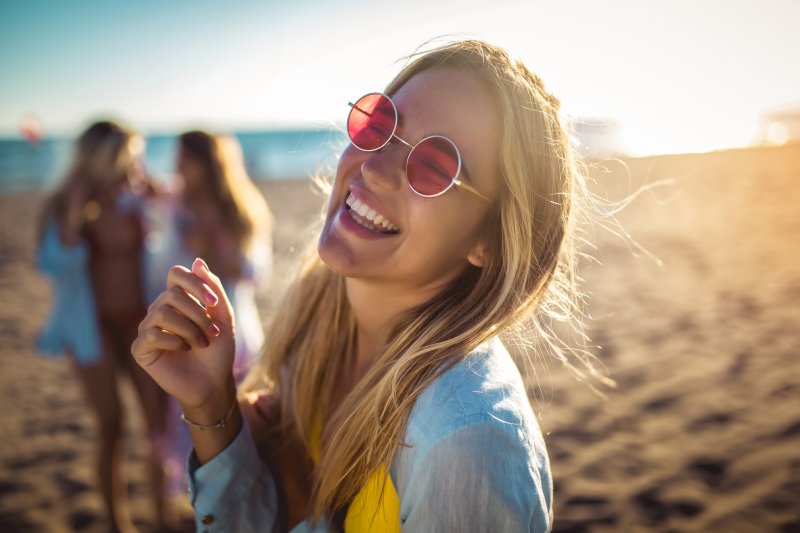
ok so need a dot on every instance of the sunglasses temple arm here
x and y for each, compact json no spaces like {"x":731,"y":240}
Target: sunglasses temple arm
{"x":460,"y":184}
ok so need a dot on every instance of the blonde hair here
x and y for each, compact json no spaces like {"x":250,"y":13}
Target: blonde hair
{"x":529,"y":272}
{"x":241,"y":205}
{"x":104,"y":155}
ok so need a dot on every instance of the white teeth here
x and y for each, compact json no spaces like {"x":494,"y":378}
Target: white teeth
{"x":368,"y":213}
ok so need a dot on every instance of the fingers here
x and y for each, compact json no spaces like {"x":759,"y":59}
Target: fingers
{"x":200,"y":268}
{"x":154,"y":341}
{"x":221,"y":313}
{"x":180,"y":314}
{"x":189,"y":308}
{"x":182,"y":311}
{"x":167,"y":318}
{"x":183,"y":278}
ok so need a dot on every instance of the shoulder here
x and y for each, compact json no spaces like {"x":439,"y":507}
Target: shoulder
{"x":472,"y":436}
{"x":482,"y":395}
{"x":483,"y":388}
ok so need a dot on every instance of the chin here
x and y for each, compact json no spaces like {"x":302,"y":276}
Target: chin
{"x":335,"y":253}
{"x":338,"y":256}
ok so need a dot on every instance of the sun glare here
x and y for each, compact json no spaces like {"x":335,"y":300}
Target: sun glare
{"x":668,"y":137}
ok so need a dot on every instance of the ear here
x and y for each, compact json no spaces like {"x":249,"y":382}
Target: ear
{"x":477,"y":254}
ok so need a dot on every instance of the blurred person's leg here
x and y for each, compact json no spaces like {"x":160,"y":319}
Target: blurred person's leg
{"x":153,"y":402}
{"x":100,"y":389}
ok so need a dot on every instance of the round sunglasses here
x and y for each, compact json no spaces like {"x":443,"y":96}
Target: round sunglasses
{"x":433,"y":164}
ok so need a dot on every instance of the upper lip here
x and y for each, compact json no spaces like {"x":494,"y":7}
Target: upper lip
{"x":371,"y":201}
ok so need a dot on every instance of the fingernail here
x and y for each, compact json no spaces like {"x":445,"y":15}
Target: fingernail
{"x":213,"y":330}
{"x":203,"y":342}
{"x":210,"y":297}
{"x":203,"y":263}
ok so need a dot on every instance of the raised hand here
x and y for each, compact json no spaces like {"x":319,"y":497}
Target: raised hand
{"x":187,"y":342}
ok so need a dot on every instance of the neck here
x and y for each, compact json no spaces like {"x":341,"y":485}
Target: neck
{"x":376,"y":308}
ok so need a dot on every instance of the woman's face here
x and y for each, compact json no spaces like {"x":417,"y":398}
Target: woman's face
{"x":435,"y":237}
{"x":190,"y":171}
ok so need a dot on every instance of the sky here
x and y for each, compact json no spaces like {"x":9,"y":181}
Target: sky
{"x":674,"y":75}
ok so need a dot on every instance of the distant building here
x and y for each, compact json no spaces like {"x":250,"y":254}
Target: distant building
{"x":779,"y":126}
{"x":596,"y":137}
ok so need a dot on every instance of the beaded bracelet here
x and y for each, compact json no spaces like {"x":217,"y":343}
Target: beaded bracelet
{"x":219,"y":425}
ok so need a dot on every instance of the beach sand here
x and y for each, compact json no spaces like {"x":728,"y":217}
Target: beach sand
{"x":701,"y":434}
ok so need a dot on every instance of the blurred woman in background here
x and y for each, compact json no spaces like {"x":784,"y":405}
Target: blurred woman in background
{"x":220,"y":215}
{"x":216,"y":213}
{"x":91,"y":236}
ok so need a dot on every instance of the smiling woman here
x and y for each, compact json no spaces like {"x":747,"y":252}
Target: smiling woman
{"x":384,"y":399}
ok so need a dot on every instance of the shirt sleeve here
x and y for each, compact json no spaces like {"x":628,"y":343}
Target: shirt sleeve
{"x":481,"y":477}
{"x":234,"y":491}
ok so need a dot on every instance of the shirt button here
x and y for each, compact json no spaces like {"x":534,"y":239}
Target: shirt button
{"x":207,"y":520}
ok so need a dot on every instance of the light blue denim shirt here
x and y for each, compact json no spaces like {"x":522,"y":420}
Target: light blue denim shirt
{"x":476,"y":461}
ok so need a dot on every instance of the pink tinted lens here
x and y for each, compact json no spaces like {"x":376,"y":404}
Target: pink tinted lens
{"x":371,"y":122}
{"x":432,"y":166}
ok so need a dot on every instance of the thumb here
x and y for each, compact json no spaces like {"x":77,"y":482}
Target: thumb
{"x":222,"y":312}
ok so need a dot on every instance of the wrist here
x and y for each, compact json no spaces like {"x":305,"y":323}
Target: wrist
{"x":217,"y":409}
{"x":222,"y":423}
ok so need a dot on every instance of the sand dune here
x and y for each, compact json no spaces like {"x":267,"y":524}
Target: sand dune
{"x":702,"y":433}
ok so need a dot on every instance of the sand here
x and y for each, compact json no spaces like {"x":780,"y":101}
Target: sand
{"x":701,"y":434}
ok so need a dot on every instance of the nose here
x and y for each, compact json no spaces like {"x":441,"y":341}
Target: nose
{"x":385,"y":168}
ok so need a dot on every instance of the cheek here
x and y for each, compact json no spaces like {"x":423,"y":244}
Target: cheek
{"x":347,"y":167}
{"x":443,"y":233}
{"x":349,"y":163}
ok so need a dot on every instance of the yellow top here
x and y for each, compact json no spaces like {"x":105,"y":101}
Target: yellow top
{"x":368,"y":511}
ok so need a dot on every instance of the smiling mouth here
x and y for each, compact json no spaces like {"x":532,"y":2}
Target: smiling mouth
{"x":368,"y":217}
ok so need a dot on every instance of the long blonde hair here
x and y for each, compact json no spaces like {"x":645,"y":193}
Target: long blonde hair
{"x":105,"y":154}
{"x":529,"y":272}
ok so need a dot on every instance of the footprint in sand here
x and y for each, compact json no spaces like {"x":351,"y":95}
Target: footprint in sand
{"x":596,"y":510}
{"x":687,"y":508}
{"x":68,"y":487}
{"x":40,"y":427}
{"x":710,"y":471}
{"x":711,"y":421}
{"x":15,"y":521}
{"x":789,"y":390}
{"x":12,"y":487}
{"x":31,"y":461}
{"x":82,"y":519}
{"x":791,"y":527}
{"x":25,"y":462}
{"x":792,"y":430}
{"x":737,"y":369}
{"x":661,"y":404}
{"x":656,"y":510}
{"x":783,"y":499}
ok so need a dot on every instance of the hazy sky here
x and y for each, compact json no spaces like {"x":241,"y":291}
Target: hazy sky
{"x":677,"y":75}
